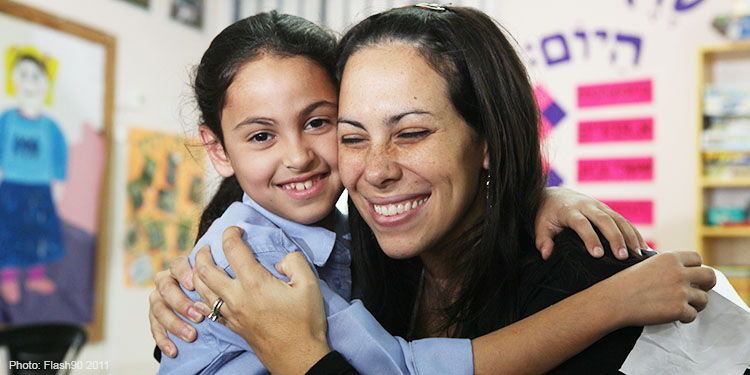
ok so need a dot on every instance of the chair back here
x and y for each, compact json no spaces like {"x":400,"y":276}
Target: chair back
{"x":42,"y":349}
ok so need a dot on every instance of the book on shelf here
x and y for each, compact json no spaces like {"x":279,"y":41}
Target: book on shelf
{"x":739,"y":277}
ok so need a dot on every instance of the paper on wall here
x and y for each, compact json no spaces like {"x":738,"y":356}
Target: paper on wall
{"x":717,"y":342}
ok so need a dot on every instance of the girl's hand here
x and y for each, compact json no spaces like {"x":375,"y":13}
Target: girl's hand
{"x":284,"y":322}
{"x":168,"y":298}
{"x":668,"y":286}
{"x":563,"y":208}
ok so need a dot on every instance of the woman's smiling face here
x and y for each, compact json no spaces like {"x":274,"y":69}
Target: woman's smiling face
{"x":410,"y":162}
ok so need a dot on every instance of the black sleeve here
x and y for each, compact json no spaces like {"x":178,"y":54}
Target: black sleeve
{"x":332,"y":364}
{"x":569,"y":270}
{"x":157,"y":354}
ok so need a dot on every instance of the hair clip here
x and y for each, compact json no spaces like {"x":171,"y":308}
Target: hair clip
{"x":431,"y":6}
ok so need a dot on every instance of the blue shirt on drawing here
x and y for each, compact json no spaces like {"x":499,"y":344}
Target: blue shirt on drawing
{"x":352,"y":330}
{"x":32,"y":150}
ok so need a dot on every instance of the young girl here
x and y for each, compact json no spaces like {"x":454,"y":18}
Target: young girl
{"x":269,"y":107}
{"x":33,"y":159}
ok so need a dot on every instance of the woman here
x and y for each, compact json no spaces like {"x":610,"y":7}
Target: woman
{"x":429,"y":113}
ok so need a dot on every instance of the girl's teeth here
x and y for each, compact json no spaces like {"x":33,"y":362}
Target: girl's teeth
{"x":393,"y":209}
{"x":299,"y":185}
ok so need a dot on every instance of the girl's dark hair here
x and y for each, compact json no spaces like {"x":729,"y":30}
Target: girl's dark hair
{"x":241,"y":42}
{"x":489,"y":87}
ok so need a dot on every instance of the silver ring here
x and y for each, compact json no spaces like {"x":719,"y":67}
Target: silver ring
{"x":215,"y":314}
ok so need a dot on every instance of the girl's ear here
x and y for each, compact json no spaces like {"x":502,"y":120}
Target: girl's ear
{"x":215,"y":151}
{"x":486,"y":162}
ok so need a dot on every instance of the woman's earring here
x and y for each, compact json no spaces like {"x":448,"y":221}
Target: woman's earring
{"x":488,"y":190}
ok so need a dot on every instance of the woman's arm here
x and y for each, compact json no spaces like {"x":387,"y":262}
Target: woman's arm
{"x":278,"y":315}
{"x":657,"y":290}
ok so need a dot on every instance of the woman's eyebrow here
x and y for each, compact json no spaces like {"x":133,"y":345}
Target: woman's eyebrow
{"x":350,"y":122}
{"x":393,"y":120}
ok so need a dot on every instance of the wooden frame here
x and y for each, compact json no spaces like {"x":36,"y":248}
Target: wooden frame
{"x":14,"y":16}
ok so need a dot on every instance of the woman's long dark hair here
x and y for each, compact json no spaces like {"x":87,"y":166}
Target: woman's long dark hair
{"x":489,"y":87}
{"x":241,"y":42}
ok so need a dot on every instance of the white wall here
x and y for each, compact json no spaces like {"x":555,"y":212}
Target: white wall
{"x":154,"y":59}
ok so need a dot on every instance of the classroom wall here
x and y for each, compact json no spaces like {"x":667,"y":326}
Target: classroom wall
{"x":670,"y":33}
{"x":154,"y":56}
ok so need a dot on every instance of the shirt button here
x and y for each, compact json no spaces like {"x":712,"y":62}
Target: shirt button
{"x":210,"y":339}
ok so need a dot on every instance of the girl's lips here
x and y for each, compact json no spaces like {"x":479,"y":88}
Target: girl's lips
{"x":305,"y":189}
{"x":393,"y":214}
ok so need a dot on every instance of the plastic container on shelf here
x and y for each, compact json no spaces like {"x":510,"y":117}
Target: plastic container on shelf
{"x":716,"y":216}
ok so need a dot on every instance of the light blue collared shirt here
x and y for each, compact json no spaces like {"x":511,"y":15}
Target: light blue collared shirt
{"x":352,"y":330}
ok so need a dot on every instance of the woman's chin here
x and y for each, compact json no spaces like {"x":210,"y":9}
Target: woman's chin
{"x":398,"y":249}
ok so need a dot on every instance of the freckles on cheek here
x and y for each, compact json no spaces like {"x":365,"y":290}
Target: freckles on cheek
{"x":350,"y":166}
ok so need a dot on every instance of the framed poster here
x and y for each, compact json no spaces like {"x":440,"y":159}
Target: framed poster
{"x":164,"y":202}
{"x":55,"y":131}
{"x":188,"y":12}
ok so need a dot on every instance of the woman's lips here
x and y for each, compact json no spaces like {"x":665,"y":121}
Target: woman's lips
{"x":396,"y":213}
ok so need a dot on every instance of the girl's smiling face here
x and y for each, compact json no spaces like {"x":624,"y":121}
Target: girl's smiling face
{"x":278,"y":123}
{"x":410,"y":162}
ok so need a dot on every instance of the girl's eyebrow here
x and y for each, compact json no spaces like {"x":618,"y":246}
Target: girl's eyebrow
{"x":303,"y":113}
{"x":321,"y":103}
{"x":393,"y":120}
{"x":253,"y":120}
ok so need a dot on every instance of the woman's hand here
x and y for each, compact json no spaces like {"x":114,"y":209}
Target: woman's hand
{"x":284,"y":322}
{"x":565,"y":208}
{"x":666,"y":287}
{"x":168,"y":298}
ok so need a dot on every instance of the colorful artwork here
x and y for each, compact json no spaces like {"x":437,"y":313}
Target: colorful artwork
{"x":164,"y":201}
{"x":33,"y":161}
{"x":552,"y":115}
{"x":53,"y":149}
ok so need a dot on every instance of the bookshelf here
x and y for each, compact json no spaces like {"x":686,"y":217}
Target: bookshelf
{"x":723,"y":149}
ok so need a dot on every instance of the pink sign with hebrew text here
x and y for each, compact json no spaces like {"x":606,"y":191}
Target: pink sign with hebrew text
{"x":618,"y":130}
{"x":615,"y":93}
{"x":637,"y":211}
{"x":626,"y":169}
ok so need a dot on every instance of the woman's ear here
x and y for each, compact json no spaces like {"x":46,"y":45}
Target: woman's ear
{"x":486,"y":161}
{"x":215,"y":151}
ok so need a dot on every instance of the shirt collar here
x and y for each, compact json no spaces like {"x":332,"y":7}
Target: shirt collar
{"x":318,"y":239}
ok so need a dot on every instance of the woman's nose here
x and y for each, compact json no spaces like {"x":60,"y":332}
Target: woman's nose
{"x":381,"y":167}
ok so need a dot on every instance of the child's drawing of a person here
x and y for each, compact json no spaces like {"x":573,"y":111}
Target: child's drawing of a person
{"x":33,"y":159}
